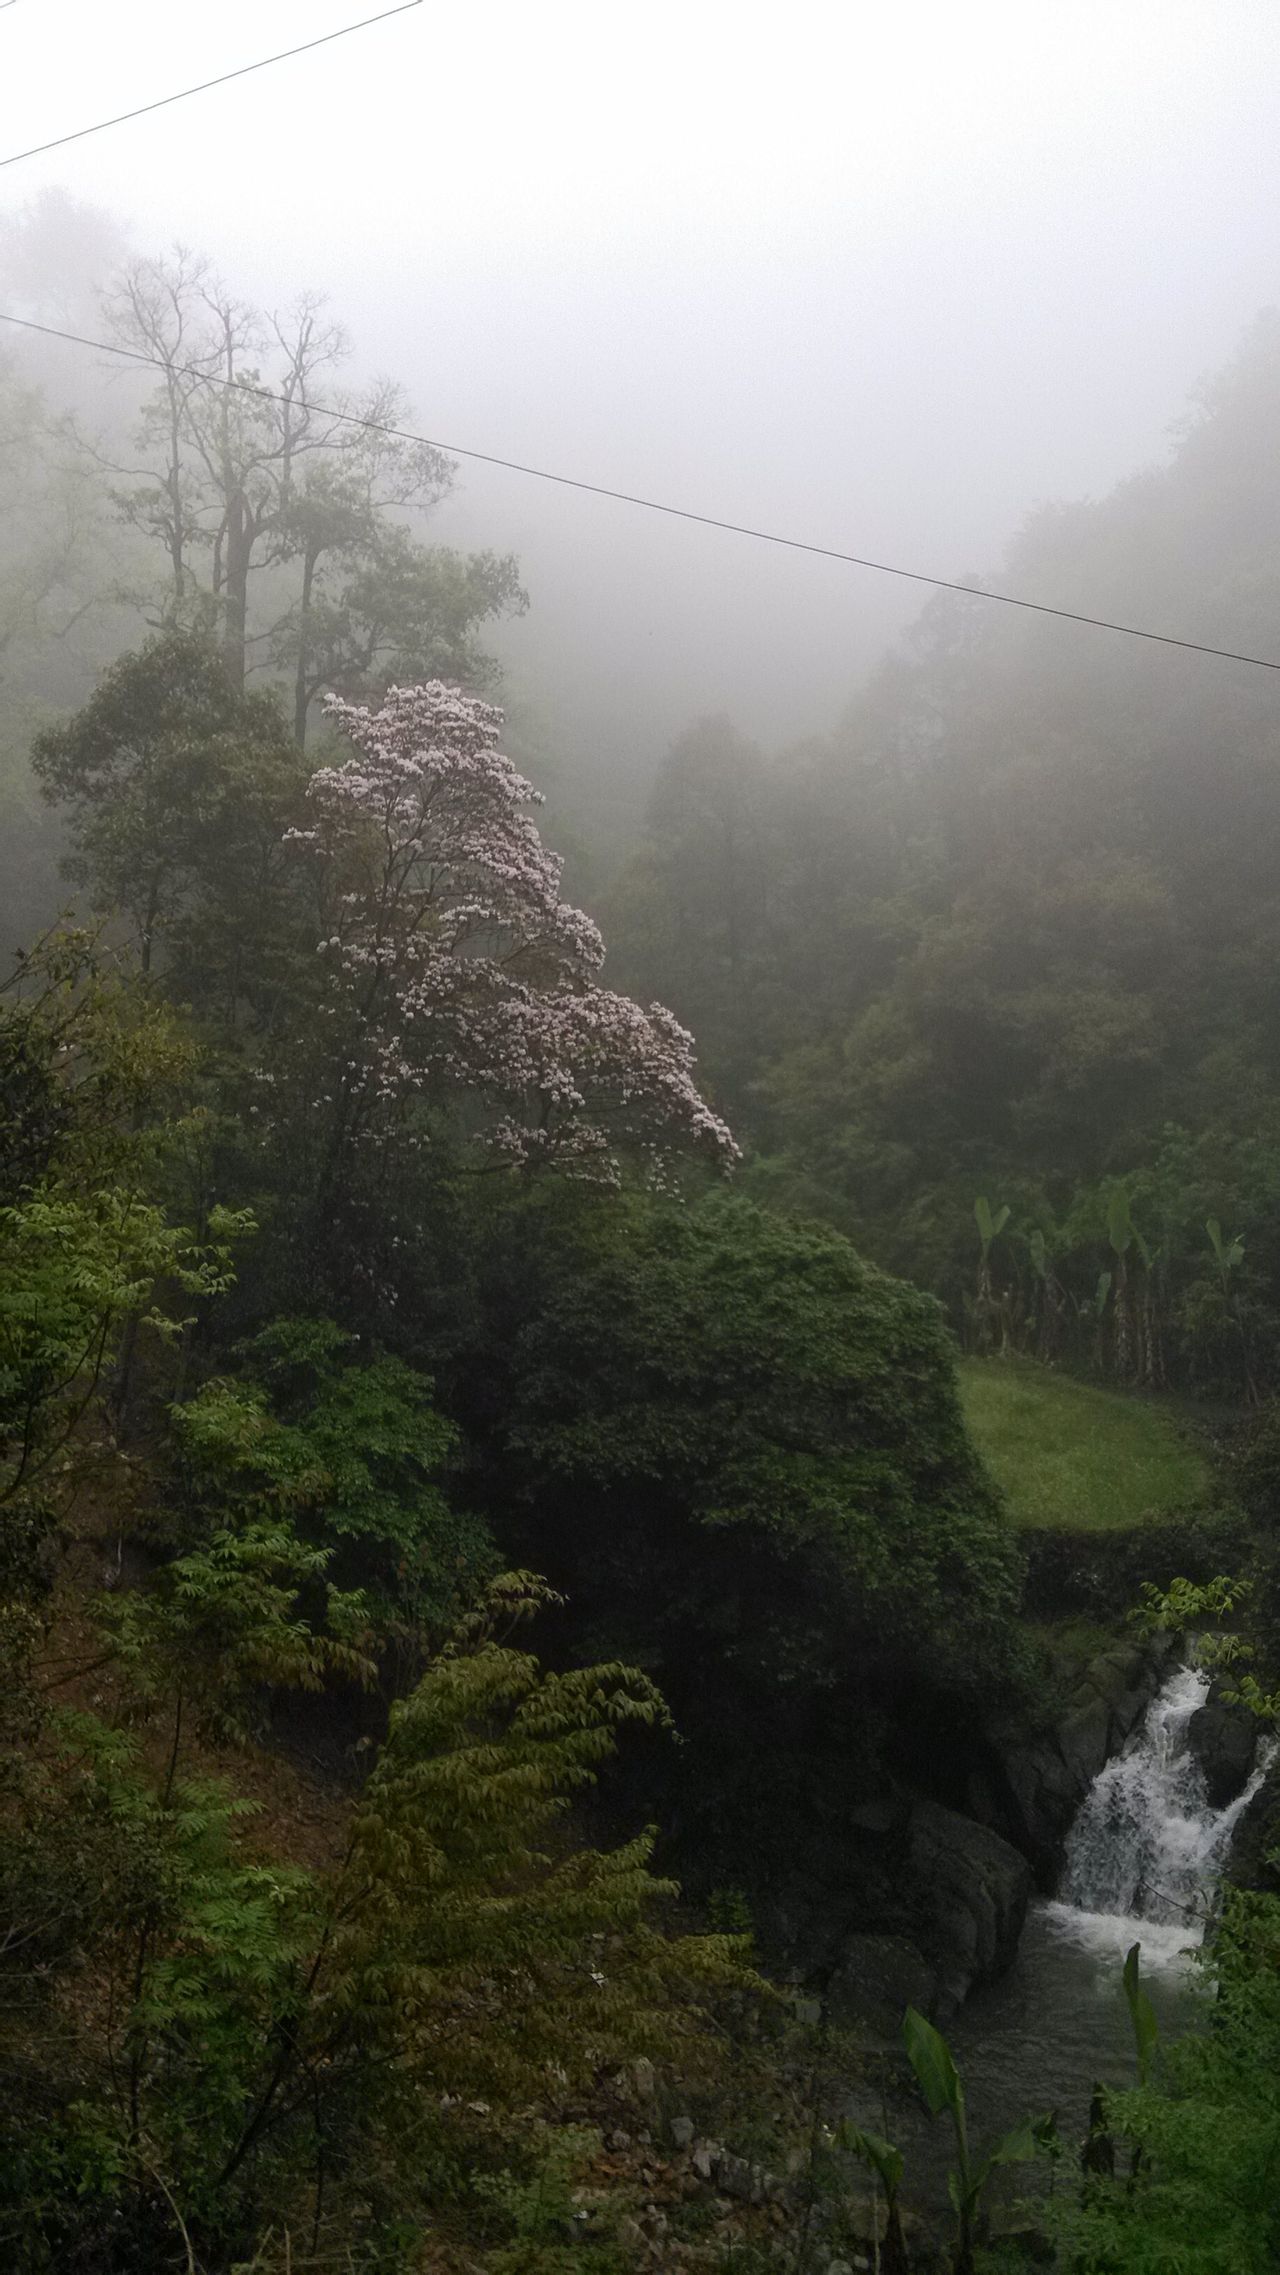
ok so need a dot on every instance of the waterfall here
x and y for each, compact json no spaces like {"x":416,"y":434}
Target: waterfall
{"x":1146,"y":1849}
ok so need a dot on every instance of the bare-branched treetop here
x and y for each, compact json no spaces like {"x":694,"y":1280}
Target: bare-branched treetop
{"x":278,"y":496}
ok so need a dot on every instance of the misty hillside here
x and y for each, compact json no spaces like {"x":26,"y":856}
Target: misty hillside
{"x":639,"y":1141}
{"x":1009,"y":930}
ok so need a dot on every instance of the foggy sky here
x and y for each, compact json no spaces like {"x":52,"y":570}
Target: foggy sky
{"x":881,"y":277}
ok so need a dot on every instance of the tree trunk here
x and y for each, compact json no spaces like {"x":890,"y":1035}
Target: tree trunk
{"x":147,"y":942}
{"x":301,"y":688}
{"x":983,"y":1320}
{"x":1124,"y":1336}
{"x":235,"y":602}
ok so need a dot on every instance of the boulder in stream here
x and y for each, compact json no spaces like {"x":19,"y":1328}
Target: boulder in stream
{"x":970,"y":1890}
{"x":1224,"y":1740}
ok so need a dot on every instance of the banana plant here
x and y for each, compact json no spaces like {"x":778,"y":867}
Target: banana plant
{"x":1150,"y":1357}
{"x":1094,"y":1307}
{"x":990,"y":1226}
{"x":970,"y":2176}
{"x":1121,"y":1234}
{"x":1146,"y":2034}
{"x":1049,"y":1295}
{"x":1146,"y":2030}
{"x":1228,"y":1255}
{"x":887,"y":2163}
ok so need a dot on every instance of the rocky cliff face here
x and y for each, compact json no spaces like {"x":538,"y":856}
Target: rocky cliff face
{"x":1224,"y":1739}
{"x":905,"y":1900}
{"x":912,"y":1904}
{"x":1042,"y":1775}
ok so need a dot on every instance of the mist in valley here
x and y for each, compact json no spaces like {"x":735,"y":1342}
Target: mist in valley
{"x":884,"y":286}
{"x":810,"y":1266}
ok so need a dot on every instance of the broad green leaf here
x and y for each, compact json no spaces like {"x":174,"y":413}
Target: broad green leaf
{"x":884,"y":2159}
{"x":1119,"y":1221}
{"x":1146,"y":2030}
{"x":1019,"y":2145}
{"x":930,"y":2058}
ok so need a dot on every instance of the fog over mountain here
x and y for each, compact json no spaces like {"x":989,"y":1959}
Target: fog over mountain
{"x":778,"y":1251}
{"x":883,"y":281}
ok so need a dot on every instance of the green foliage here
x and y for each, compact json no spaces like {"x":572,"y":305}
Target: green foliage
{"x":95,"y":1070}
{"x":1142,"y":2015}
{"x":1227,"y":1254}
{"x":692,"y":912}
{"x":969,"y":2178}
{"x":72,"y":1272}
{"x":936,"y":2073}
{"x":967,"y":2182}
{"x":221,"y":1627}
{"x":1006,"y":930}
{"x":256,"y":2027}
{"x":178,"y":790}
{"x":1185,"y":1602}
{"x":543,"y":2215}
{"x":349,"y":1450}
{"x":1200,"y":2192}
{"x":199,"y":1952}
{"x":731,"y":1423}
{"x":888,"y":2164}
{"x":990,"y":1225}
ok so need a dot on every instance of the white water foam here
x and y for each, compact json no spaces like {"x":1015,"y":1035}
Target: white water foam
{"x":1146,"y":1849}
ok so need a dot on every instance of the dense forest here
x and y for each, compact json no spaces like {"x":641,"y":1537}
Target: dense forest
{"x":517,"y":1651}
{"x":1007,"y":934}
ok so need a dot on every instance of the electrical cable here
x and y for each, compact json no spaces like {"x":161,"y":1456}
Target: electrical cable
{"x":653,"y":505}
{"x":162,"y":102}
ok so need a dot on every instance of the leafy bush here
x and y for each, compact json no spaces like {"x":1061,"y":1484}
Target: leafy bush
{"x":1200,"y":2194}
{"x":747,"y":1439}
{"x":351,"y":1450}
{"x":262,"y":2036}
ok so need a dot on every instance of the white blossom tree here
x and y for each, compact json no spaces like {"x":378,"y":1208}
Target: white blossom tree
{"x":453,"y":965}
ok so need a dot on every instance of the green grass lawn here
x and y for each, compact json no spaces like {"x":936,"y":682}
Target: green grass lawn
{"x":1067,"y":1454}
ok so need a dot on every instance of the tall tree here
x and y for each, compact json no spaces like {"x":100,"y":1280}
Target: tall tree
{"x":694,"y":904}
{"x":453,"y":966}
{"x":177,"y":787}
{"x":272,"y":491}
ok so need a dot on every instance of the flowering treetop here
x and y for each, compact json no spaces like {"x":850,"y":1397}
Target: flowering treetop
{"x":445,"y":930}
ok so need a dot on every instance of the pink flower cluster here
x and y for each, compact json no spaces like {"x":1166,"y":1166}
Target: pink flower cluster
{"x":443,"y":926}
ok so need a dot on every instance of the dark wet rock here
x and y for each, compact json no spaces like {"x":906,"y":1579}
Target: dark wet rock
{"x":969,"y":1891}
{"x":1257,"y":1838}
{"x":876,"y":1978}
{"x":1224,"y":1741}
{"x":898,"y":1899}
{"x":1048,"y":1772}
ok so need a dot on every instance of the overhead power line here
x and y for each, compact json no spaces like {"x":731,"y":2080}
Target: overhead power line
{"x":652,"y":505}
{"x":163,"y":101}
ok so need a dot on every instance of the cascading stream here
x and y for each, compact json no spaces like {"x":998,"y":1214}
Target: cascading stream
{"x":1146,"y":1849}
{"x":1144,"y":1857}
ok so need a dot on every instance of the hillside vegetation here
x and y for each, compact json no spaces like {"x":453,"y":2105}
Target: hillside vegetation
{"x":497,"y":1559}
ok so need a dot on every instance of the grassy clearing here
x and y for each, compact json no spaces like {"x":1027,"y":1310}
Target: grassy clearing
{"x":1067,"y":1454}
